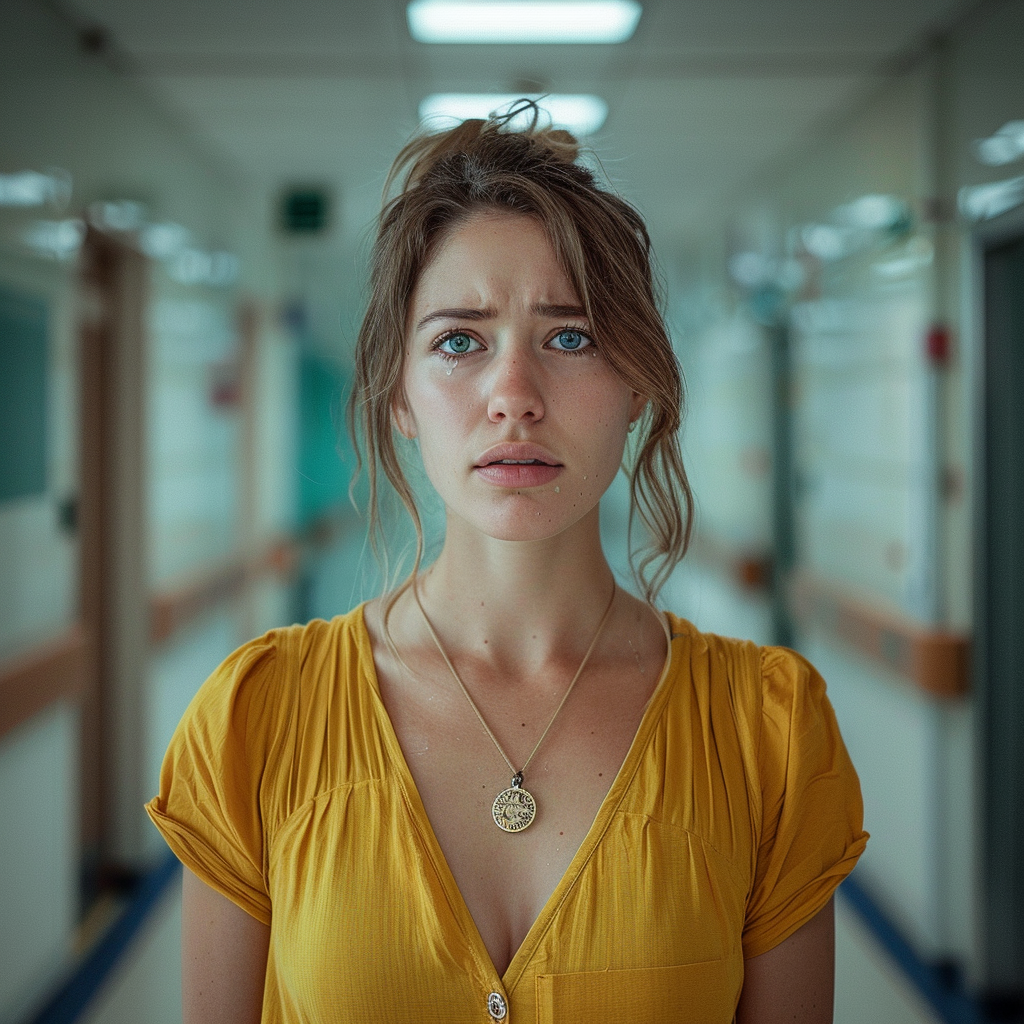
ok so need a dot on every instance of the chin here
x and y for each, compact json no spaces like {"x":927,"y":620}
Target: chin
{"x":524,"y":523}
{"x":525,"y":533}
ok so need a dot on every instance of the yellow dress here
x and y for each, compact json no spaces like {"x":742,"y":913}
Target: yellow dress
{"x":733,"y":818}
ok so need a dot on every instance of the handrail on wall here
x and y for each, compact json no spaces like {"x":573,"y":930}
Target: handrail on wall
{"x":936,"y":660}
{"x":750,"y":568}
{"x":173,"y":608}
{"x":51,"y":671}
{"x":57,"y":669}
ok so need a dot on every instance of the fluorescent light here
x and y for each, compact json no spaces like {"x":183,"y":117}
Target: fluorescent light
{"x":1005,"y":146}
{"x":32,"y":188}
{"x":750,"y":269}
{"x":194,"y":266}
{"x":983,"y":202}
{"x":826,"y":242}
{"x":162,"y":241}
{"x":874,"y":213}
{"x":753,"y":270}
{"x":55,"y":239}
{"x":917,"y":254}
{"x":120,"y":215}
{"x":579,"y":114}
{"x":528,"y":21}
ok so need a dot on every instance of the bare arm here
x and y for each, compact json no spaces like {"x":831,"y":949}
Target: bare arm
{"x":793,"y":983}
{"x":223,"y":958}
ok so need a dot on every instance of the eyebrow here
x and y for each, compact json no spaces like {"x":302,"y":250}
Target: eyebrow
{"x":540,"y":309}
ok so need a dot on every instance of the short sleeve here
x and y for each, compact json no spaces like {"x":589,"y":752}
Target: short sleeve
{"x":208,"y":808}
{"x":811,"y":826}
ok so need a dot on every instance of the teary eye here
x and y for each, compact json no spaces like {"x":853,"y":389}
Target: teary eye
{"x":458,"y":344}
{"x":570,"y":340}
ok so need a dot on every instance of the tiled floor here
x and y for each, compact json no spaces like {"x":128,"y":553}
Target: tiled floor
{"x":869,"y":987}
{"x":146,"y":989}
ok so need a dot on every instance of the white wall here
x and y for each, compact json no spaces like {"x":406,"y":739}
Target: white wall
{"x":869,"y":986}
{"x":876,"y":427}
{"x":862,"y":450}
{"x":194,"y":445}
{"x":62,"y":107}
{"x":146,"y":987}
{"x":38,"y":851}
{"x":38,"y":560}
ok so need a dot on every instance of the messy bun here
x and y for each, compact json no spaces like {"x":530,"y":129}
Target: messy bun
{"x":602,"y":245}
{"x":471,"y":142}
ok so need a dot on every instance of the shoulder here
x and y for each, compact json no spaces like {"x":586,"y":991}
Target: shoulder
{"x":269,"y":679}
{"x":747,"y":670}
{"x":269,"y":716}
{"x":722,"y":673}
{"x":770,"y":698}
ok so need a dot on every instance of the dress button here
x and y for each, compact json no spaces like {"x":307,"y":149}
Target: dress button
{"x":496,"y":1006}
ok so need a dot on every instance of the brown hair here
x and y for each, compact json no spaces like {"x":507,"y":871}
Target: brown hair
{"x":603,"y":247}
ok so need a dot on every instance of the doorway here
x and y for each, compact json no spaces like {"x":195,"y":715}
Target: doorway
{"x":999,"y":613}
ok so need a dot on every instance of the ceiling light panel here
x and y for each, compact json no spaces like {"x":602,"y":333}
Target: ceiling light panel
{"x":579,"y":114}
{"x":528,"y":21}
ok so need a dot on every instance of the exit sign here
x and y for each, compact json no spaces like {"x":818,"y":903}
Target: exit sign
{"x":304,"y":211}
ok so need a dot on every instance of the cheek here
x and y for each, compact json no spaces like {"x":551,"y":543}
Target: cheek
{"x":597,"y":418}
{"x":442,"y":411}
{"x":441,"y":401}
{"x":603,"y":407}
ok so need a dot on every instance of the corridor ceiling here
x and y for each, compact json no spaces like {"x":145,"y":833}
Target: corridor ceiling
{"x":706,"y":96}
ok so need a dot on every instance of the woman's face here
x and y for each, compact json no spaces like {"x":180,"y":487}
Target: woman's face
{"x":520,"y":420}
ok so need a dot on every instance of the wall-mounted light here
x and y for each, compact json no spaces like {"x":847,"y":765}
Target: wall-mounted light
{"x":579,"y":114}
{"x":161,"y":241}
{"x":1003,"y":147}
{"x":869,"y":222}
{"x":825,"y":241}
{"x":752,"y":270}
{"x":195,"y":266}
{"x":55,"y":239}
{"x":983,"y":202}
{"x":118,"y":215}
{"x":528,"y":21}
{"x":915,"y":256}
{"x":874,"y":213}
{"x":33,"y":188}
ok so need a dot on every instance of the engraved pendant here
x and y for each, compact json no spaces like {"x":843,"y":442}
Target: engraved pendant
{"x":514,"y":809}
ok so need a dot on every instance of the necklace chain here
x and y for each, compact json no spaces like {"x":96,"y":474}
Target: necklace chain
{"x":462,"y":686}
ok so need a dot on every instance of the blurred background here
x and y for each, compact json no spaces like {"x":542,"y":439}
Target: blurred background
{"x":835,"y":193}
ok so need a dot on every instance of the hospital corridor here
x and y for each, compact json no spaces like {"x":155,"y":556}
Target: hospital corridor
{"x":834,"y":191}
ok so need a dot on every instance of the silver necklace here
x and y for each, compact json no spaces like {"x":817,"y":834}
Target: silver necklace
{"x":514,"y":808}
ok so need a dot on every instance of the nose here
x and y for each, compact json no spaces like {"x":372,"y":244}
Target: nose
{"x":515,"y":391}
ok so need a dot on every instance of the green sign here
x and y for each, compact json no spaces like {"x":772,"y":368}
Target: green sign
{"x":23,"y":364}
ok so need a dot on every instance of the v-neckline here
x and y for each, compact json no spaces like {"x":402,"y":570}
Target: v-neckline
{"x":605,"y":813}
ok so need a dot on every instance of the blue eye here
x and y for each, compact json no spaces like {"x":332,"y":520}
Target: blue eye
{"x":458,"y":344}
{"x":570,"y":340}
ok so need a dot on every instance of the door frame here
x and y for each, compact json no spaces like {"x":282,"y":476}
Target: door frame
{"x":1000,"y":864}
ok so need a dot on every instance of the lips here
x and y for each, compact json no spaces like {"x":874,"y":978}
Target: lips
{"x":517,"y":464}
{"x":516,"y":453}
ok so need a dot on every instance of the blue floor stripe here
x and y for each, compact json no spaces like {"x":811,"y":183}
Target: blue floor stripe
{"x":950,"y":1005}
{"x":68,"y":1003}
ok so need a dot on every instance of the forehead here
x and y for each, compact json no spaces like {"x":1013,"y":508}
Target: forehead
{"x":493,"y":259}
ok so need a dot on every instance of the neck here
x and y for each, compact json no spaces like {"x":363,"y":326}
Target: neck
{"x":522,"y":601}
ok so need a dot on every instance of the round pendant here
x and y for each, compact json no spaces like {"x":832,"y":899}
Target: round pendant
{"x":514,"y":809}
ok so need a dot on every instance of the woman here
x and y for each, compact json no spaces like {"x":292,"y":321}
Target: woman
{"x":510,"y":790}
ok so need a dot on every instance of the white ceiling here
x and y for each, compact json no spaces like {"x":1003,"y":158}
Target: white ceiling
{"x":705,"y":95}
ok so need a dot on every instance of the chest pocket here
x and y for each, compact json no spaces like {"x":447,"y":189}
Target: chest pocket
{"x":701,"y":993}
